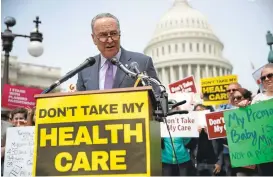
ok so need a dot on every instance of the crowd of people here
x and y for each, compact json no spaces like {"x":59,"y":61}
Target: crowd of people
{"x":204,"y":157}
{"x":192,"y":156}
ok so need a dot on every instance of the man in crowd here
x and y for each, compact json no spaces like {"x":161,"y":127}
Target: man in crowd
{"x":227,"y":164}
{"x":103,"y":74}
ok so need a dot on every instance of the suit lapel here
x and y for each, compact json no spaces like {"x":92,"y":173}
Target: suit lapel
{"x":120,"y":75}
{"x":94,"y":74}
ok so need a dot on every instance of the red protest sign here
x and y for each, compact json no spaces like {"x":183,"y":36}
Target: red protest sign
{"x":184,"y":85}
{"x":19,"y":96}
{"x":216,"y":125}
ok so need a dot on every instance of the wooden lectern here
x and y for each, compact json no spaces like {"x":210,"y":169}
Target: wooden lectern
{"x":91,"y":133}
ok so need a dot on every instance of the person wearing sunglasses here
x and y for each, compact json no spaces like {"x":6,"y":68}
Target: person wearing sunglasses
{"x":265,"y":169}
{"x":103,"y":74}
{"x":240,"y":96}
{"x":267,"y":83}
{"x":227,"y":164}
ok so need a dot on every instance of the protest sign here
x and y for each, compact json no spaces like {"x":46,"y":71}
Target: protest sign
{"x":257,"y":77}
{"x":214,"y":89}
{"x":216,"y":125}
{"x":184,"y":85}
{"x":93,"y":134}
{"x":19,"y":151}
{"x":19,"y":96}
{"x":183,"y":125}
{"x":250,"y":134}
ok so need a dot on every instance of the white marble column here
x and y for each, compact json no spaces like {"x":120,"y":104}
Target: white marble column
{"x":198,"y":72}
{"x":171,"y":74}
{"x":180,"y":72}
{"x":214,"y":71}
{"x":189,"y":70}
{"x":207,"y":70}
{"x":221,"y":71}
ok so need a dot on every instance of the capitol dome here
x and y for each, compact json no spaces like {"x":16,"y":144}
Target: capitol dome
{"x":184,"y":44}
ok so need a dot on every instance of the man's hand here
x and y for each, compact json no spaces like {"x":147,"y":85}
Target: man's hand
{"x":217,"y":169}
{"x":206,"y":130}
{"x":199,"y":128}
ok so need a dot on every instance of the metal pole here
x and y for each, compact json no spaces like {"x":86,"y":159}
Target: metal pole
{"x":6,"y":71}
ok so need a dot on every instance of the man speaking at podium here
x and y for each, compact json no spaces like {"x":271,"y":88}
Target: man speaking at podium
{"x":103,"y":74}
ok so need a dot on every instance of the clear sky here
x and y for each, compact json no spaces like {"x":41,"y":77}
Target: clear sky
{"x":240,"y":24}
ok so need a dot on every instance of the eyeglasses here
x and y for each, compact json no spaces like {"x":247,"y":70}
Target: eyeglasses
{"x":238,"y":98}
{"x":103,"y":37}
{"x":269,"y":76}
{"x":233,"y":90}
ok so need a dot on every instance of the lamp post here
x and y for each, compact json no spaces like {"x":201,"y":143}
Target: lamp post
{"x":35,"y":47}
{"x":269,"y":40}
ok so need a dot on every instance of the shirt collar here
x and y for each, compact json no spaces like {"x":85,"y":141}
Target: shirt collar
{"x":103,"y":59}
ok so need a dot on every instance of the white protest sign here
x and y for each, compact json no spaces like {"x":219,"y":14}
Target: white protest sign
{"x":181,"y":125}
{"x":19,"y":151}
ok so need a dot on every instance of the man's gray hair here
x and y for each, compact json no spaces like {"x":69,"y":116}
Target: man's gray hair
{"x":103,"y":15}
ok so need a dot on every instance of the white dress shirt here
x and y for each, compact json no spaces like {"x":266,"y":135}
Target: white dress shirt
{"x":103,"y":69}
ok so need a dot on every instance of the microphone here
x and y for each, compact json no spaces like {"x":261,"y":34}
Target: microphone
{"x":135,"y":66}
{"x":178,"y":104}
{"x":177,"y":112}
{"x":131,"y":74}
{"x":88,"y":62}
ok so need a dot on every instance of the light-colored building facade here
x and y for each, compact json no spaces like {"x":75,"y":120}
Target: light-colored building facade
{"x":31,"y":75}
{"x":184,"y":44}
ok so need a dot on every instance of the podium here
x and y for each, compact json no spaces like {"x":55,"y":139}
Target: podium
{"x":102,"y":132}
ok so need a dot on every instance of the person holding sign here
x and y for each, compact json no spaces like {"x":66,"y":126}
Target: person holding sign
{"x":103,"y":74}
{"x":265,"y":169}
{"x":169,"y":164}
{"x":242,"y":97}
{"x":209,"y":154}
{"x":230,"y":90}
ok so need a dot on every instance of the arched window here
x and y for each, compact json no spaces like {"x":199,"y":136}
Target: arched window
{"x":190,"y":47}
{"x":197,"y":47}
{"x":210,"y":49}
{"x":176,"y":48}
{"x":169,"y":48}
{"x":163,"y":53}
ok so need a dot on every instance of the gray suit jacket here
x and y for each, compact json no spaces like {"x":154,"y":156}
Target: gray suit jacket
{"x":88,"y":79}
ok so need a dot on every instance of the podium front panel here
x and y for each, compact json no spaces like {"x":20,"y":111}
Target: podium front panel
{"x":95,"y":134}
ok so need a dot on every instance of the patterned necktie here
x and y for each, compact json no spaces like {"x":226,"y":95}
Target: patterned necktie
{"x":108,"y":82}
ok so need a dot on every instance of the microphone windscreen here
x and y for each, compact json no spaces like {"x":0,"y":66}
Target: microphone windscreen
{"x":114,"y":61}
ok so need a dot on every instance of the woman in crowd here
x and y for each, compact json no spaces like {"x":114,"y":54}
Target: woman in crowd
{"x":170,"y":166}
{"x":266,"y":169}
{"x":241,"y":98}
{"x":209,"y":154}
